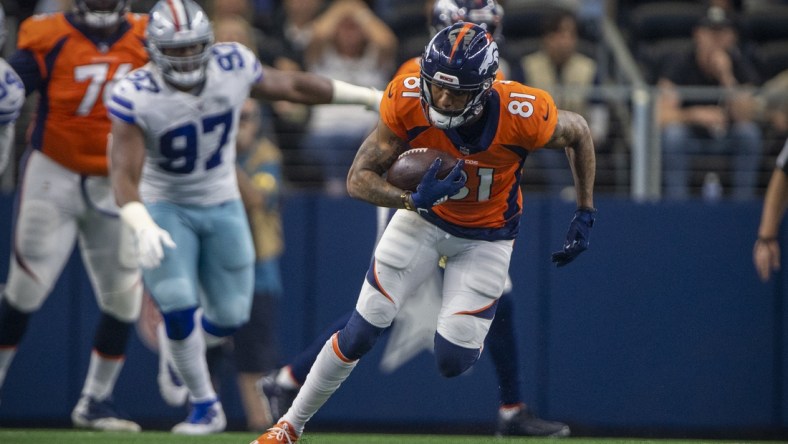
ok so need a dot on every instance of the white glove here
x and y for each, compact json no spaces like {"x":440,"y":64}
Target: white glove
{"x":150,"y":238}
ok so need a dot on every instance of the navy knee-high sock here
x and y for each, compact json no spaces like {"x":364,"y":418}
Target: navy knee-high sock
{"x":502,"y":346}
{"x":13,"y":324}
{"x":112,"y":336}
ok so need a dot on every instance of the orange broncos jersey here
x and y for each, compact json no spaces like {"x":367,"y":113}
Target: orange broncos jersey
{"x":72,"y":125}
{"x":413,"y":66}
{"x":520,"y":119}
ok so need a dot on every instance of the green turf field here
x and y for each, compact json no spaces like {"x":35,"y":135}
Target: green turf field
{"x":37,"y":436}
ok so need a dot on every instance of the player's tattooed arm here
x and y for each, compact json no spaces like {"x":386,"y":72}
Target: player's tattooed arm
{"x":572,"y":134}
{"x":365,"y":180}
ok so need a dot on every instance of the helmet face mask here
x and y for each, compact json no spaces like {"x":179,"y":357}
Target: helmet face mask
{"x":459,"y":101}
{"x":185,"y":60}
{"x":179,"y":38}
{"x":462,"y":58}
{"x":101,"y":14}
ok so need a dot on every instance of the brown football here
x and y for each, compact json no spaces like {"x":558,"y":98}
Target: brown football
{"x":407,"y":171}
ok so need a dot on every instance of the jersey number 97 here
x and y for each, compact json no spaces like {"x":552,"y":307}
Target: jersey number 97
{"x":179,"y":145}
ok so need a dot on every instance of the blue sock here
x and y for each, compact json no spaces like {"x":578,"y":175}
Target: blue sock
{"x":502,"y":346}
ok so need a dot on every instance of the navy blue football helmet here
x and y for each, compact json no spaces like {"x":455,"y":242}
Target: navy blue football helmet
{"x":462,"y":57}
{"x":486,"y":13}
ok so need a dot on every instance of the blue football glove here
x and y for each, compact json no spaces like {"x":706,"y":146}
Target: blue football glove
{"x":433,"y":191}
{"x":577,"y":238}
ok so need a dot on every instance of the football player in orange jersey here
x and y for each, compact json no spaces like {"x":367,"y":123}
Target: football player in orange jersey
{"x":70,"y":59}
{"x":472,"y":216}
{"x":515,"y":417}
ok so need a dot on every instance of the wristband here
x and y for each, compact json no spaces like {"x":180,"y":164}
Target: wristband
{"x":766,"y":240}
{"x":406,"y":201}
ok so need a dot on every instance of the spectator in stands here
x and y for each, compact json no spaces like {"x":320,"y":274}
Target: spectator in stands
{"x":232,"y":27}
{"x":568,"y":75}
{"x":257,"y":12}
{"x":229,"y":27}
{"x":349,"y":43}
{"x":722,"y":122}
{"x":259,"y":161}
{"x":773,"y":106}
{"x":292,"y":25}
{"x":223,"y":8}
{"x":285,"y":40}
{"x":260,"y":181}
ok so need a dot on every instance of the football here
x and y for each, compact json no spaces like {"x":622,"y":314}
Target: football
{"x":407,"y":171}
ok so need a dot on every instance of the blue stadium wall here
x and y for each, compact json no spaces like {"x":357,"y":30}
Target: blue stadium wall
{"x":661,"y":329}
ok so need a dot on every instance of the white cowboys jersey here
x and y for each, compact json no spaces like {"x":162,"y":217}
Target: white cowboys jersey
{"x":190,"y":139}
{"x":12,"y":97}
{"x":12,"y":94}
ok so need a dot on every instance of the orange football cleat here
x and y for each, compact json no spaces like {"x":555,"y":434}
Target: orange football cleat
{"x":281,"y":433}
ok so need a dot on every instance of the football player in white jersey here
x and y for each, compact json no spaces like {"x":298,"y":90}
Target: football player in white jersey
{"x":12,"y":97}
{"x":173,"y":174}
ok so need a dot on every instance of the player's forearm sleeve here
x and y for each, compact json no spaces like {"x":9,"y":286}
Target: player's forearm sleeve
{"x":346,"y":93}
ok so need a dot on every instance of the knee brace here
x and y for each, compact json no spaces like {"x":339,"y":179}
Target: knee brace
{"x":452,"y":359}
{"x":358,"y":337}
{"x":180,"y":323}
